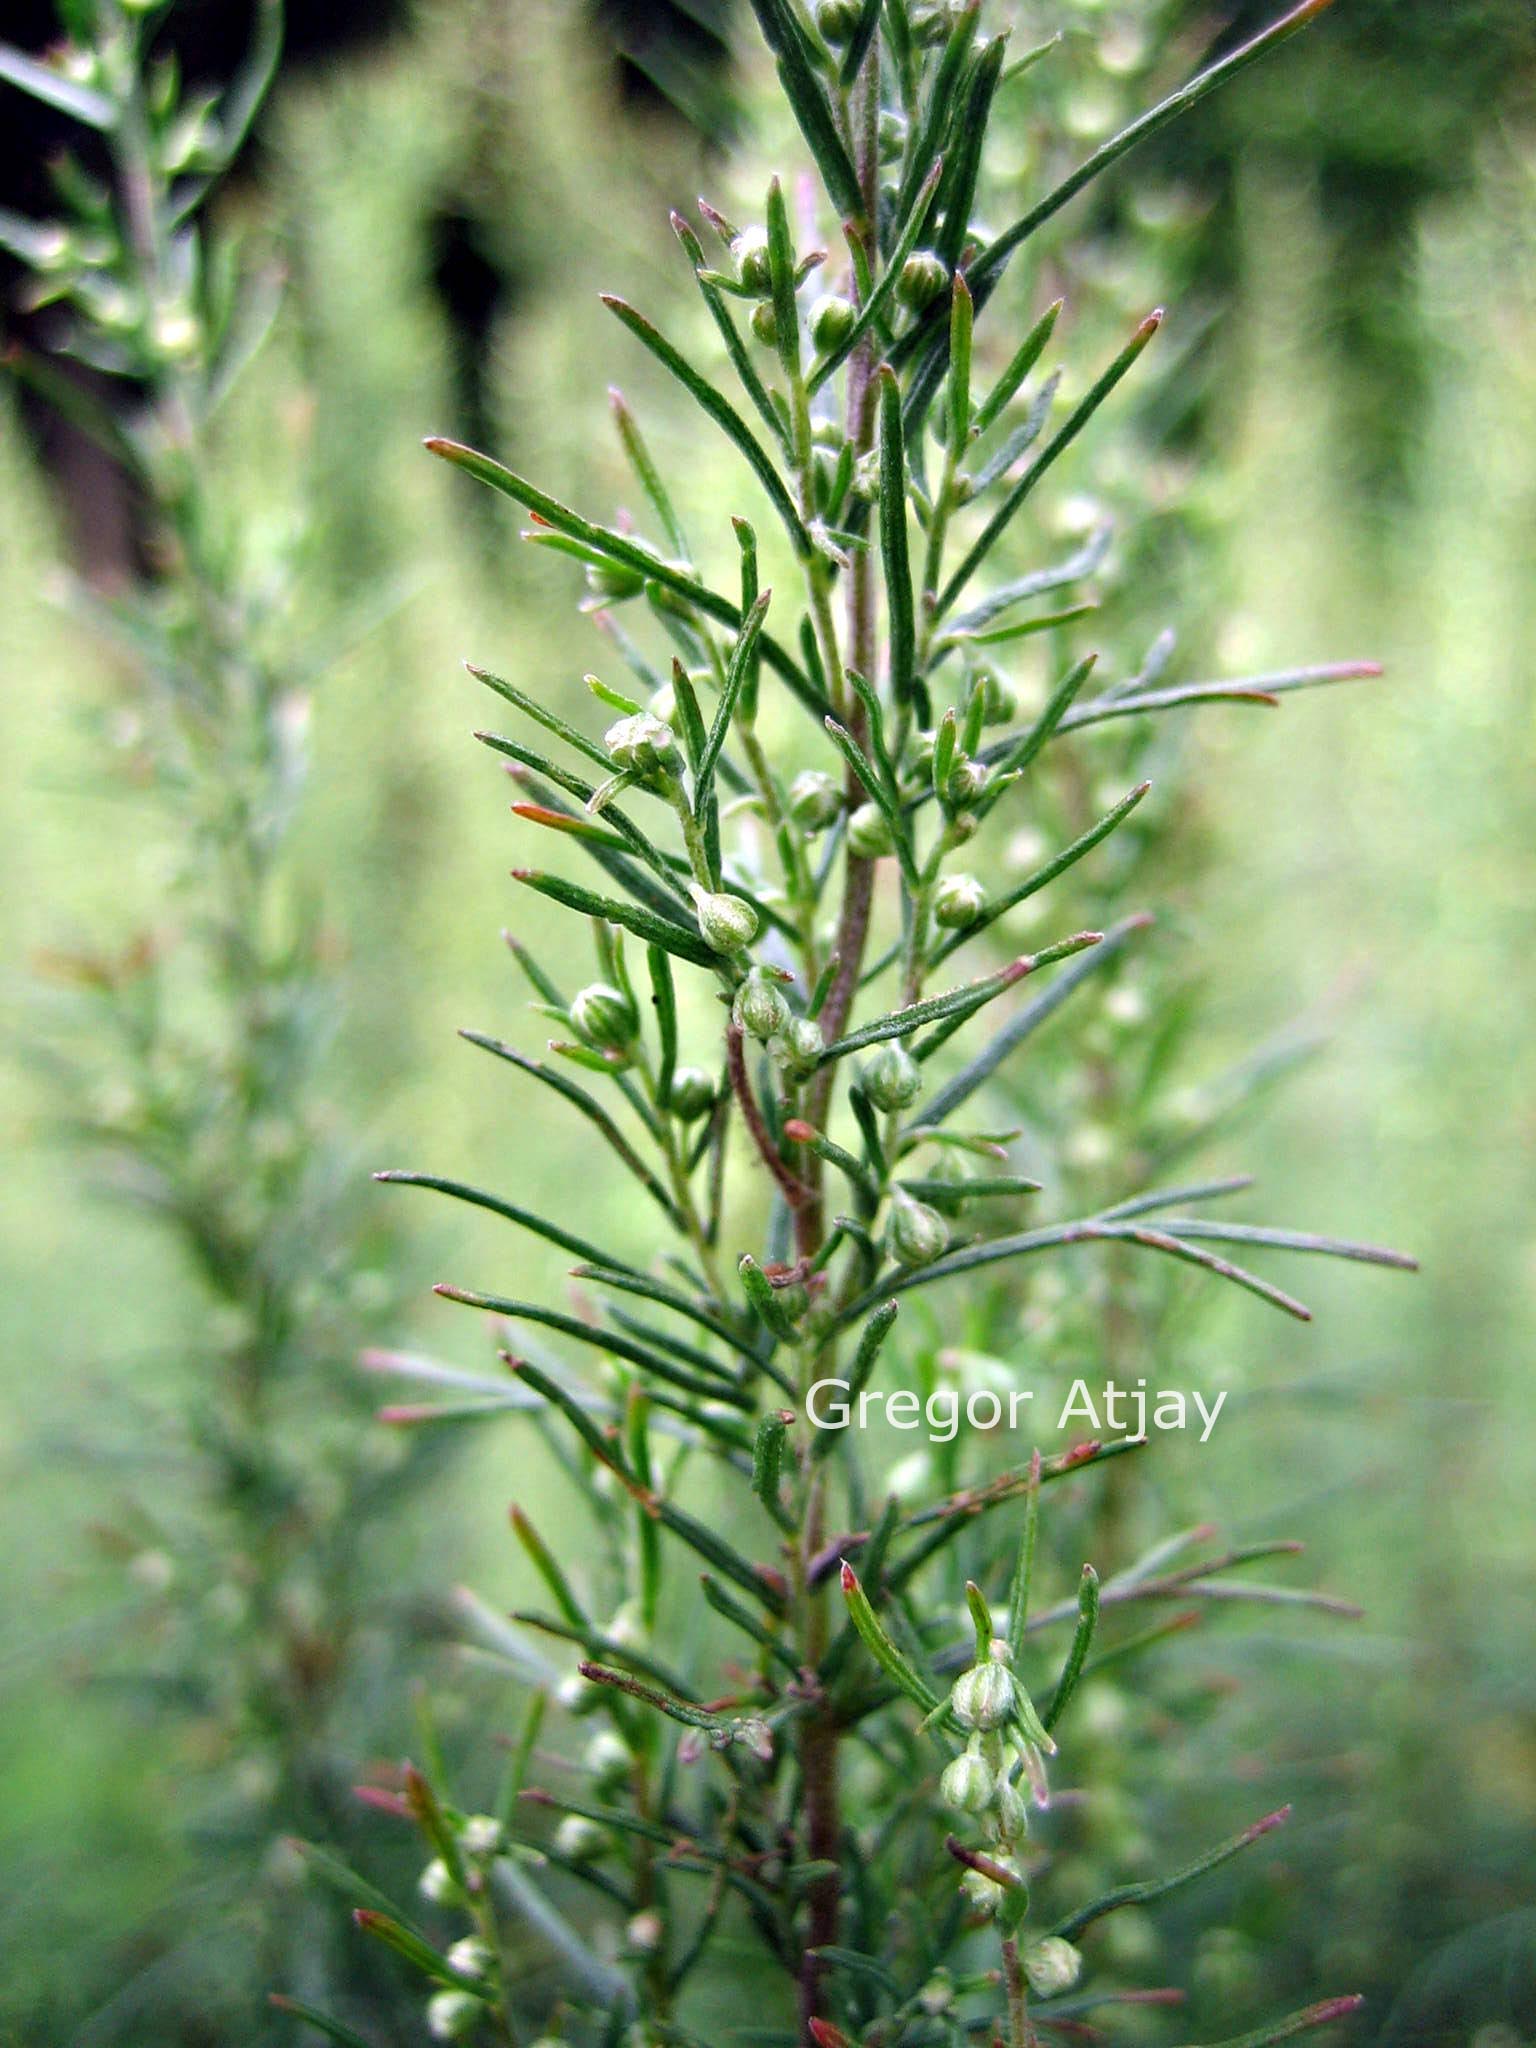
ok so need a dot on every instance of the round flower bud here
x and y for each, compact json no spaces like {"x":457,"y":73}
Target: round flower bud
{"x":831,"y":318}
{"x":967,"y":1783}
{"x":606,"y":1760}
{"x":800,"y":1047}
{"x":892,"y":1079}
{"x":1010,"y":1814}
{"x":1052,"y":1966}
{"x":613,"y":581}
{"x":923,"y":276}
{"x":470,"y":1957}
{"x":932,"y":20}
{"x":759,"y":1010}
{"x":982,"y":1893}
{"x":662,"y":704}
{"x":750,"y":250}
{"x":947,"y":1168}
{"x":893,"y":135}
{"x":693,"y":1094}
{"x":725,"y":923}
{"x":958,"y":901}
{"x":764,"y":323}
{"x":579,"y":1839}
{"x":481,"y":1835}
{"x":1000,"y":703}
{"x":642,"y":745}
{"x":915,"y":1236}
{"x":452,"y":2014}
{"x":814,"y":800}
{"x":606,"y":1016}
{"x":837,"y":19}
{"x":984,"y":1697}
{"x":437,"y":1884}
{"x":967,"y":779}
{"x":869,"y":835}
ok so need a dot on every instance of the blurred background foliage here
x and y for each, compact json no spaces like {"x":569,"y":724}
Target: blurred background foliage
{"x":1351,"y":238}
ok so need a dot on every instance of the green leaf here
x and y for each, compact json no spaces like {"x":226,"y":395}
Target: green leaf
{"x":961,"y":316}
{"x":1082,"y":1638}
{"x":957,"y":192}
{"x":641,"y":462}
{"x":645,"y":924}
{"x":1013,"y":1034}
{"x":1024,"y":1563}
{"x":723,"y":413}
{"x":736,"y":675}
{"x":627,"y":1281}
{"x":383,"y":1927}
{"x":1058,"y":865}
{"x":1056,"y":447}
{"x":781,"y":271}
{"x":1029,"y":352}
{"x":956,"y":1002}
{"x":548,"y":1569}
{"x":808,"y":103}
{"x":735,"y":348}
{"x":65,"y":95}
{"x":1039,"y":583}
{"x":879,"y":793}
{"x":891,"y":1660}
{"x":541,"y":1226}
{"x":1027,"y":963}
{"x":866,"y":1358}
{"x":768,"y":1462}
{"x":726,"y":1604}
{"x":333,"y":2030}
{"x":1160,"y":1887}
{"x":1289,"y":1240}
{"x":893,"y":540}
{"x":858,"y":45}
{"x":592,"y":1110}
{"x":1248,"y":690}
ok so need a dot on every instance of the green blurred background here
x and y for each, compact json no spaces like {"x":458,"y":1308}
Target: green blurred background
{"x":1359,"y":417}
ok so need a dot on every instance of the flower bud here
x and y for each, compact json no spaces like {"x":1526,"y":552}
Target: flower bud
{"x":437,"y":1883}
{"x":606,"y":1760}
{"x":985,"y":1696}
{"x":998,"y":699}
{"x":958,"y":901}
{"x":453,"y":2014}
{"x":613,"y":582}
{"x":923,"y":276}
{"x":644,"y":1932}
{"x":470,"y":1957}
{"x":967,"y":779}
{"x":481,"y":1835}
{"x":579,"y":1839}
{"x":915,"y":1236}
{"x":759,"y":1010}
{"x":984,"y":1894}
{"x":725,"y":923}
{"x":750,"y":251}
{"x":893,"y":135}
{"x":967,"y":1783}
{"x":765,"y":323}
{"x":932,"y":20}
{"x":1052,"y":1966}
{"x":606,"y":1016}
{"x":643,"y":745}
{"x":892,"y":1079}
{"x":800,"y":1047}
{"x":1010,"y":1814}
{"x":814,"y":800}
{"x":832,"y":316}
{"x":837,"y":19}
{"x":948,"y":1168}
{"x":693,"y":1094}
{"x":869,"y":834}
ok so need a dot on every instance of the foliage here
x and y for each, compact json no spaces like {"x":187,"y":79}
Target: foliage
{"x":844,"y":1765}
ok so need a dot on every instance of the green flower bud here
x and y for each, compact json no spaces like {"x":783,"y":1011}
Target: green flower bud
{"x":580,"y":1839}
{"x":915,"y":1236}
{"x":643,"y":745}
{"x":470,"y":1957}
{"x":1010,"y":1814}
{"x":967,"y":779}
{"x":893,"y":135}
{"x":800,"y":1047}
{"x":932,"y":20}
{"x":923,"y":276}
{"x":967,"y":1783}
{"x":958,"y":901}
{"x":613,"y":582}
{"x":1052,"y":1966}
{"x":750,"y":251}
{"x":693,"y":1094}
{"x":869,"y":834}
{"x":606,"y":1015}
{"x":437,"y":1883}
{"x":837,"y":19}
{"x":481,"y":1835}
{"x":985,"y":1696}
{"x":949,"y":1169}
{"x":453,"y":2014}
{"x":831,"y":318}
{"x":765,"y":324}
{"x":725,"y":922}
{"x":892,"y":1079}
{"x":606,"y":1760}
{"x":759,"y":1010}
{"x":1000,"y":702}
{"x":814,"y":800}
{"x":984,"y":1893}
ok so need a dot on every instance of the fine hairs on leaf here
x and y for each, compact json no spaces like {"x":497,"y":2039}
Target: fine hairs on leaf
{"x":842,"y":1753}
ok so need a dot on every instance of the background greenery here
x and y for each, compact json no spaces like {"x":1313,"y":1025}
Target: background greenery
{"x":1370,"y":872}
